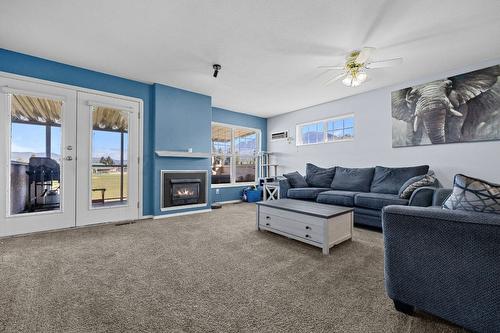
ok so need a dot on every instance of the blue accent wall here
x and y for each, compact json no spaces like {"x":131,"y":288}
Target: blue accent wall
{"x":174,"y":119}
{"x":239,"y":119}
{"x":22,"y":64}
{"x":182,"y":120}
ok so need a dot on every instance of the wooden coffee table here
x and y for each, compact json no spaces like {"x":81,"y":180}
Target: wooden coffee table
{"x":313,"y":223}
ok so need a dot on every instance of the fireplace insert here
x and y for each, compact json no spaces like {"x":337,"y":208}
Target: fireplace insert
{"x":184,"y":191}
{"x":183,"y":188}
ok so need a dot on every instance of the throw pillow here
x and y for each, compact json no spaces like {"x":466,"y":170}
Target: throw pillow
{"x":353,"y":179}
{"x":390,"y":180}
{"x":415,"y":182}
{"x":472,"y":194}
{"x":319,"y":177}
{"x":295,"y":179}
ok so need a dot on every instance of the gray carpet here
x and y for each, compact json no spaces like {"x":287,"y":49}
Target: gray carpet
{"x":210,"y":272}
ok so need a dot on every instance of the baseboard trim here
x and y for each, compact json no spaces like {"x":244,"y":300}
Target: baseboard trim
{"x":228,"y":202}
{"x":166,"y":216}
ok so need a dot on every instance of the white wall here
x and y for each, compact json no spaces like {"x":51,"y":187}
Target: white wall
{"x":373,"y":139}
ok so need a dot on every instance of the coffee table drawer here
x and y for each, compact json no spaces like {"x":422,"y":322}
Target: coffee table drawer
{"x":303,"y":230}
{"x":287,"y":215}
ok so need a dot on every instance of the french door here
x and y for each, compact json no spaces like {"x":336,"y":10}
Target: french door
{"x":107,"y":164}
{"x":67,"y":158}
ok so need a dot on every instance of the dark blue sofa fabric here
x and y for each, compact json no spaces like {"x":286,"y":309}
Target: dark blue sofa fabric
{"x":440,"y":196}
{"x":390,"y":180}
{"x":341,"y":198}
{"x":445,"y":263}
{"x":296,"y":179}
{"x":367,"y":217}
{"x":305,"y":193}
{"x":319,"y":177}
{"x":422,"y":197}
{"x":284,"y":187}
{"x":352,"y":179}
{"x":378,"y":200}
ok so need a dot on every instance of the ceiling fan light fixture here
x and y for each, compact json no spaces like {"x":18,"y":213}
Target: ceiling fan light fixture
{"x":347,"y":81}
{"x":361,"y":77}
{"x":357,"y":63}
{"x":355,"y":82}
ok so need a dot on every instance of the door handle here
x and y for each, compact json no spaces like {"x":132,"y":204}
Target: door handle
{"x":68,"y":158}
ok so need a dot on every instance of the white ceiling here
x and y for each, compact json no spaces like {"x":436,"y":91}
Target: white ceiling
{"x":269,"y":49}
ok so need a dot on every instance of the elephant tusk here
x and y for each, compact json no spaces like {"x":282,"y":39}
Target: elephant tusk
{"x":416,"y":122}
{"x":455,"y":113}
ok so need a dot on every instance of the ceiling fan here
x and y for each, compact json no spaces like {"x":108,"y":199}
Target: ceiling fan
{"x":355,"y":67}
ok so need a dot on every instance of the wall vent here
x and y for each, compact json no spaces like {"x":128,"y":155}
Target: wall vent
{"x":279,"y":135}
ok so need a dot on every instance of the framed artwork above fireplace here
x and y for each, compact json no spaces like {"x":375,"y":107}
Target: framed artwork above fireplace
{"x":181,"y":189}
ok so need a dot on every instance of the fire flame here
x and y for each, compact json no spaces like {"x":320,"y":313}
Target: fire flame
{"x":184,"y":192}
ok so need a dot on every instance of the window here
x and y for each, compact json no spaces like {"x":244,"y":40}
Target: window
{"x":327,"y":130}
{"x":234,"y":152}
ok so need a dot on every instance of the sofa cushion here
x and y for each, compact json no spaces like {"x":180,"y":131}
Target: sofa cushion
{"x":390,"y":180}
{"x":475,"y":195}
{"x":342,"y":198}
{"x":352,"y":179}
{"x":295,"y":179}
{"x":305,"y":193}
{"x":319,"y":177}
{"x":378,"y":200}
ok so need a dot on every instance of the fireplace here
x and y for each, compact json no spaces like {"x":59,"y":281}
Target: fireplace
{"x":183,"y":189}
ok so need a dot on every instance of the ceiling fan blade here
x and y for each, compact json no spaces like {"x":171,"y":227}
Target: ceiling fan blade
{"x":385,"y":63}
{"x":335,"y":78}
{"x":364,"y":55}
{"x":332,"y":67}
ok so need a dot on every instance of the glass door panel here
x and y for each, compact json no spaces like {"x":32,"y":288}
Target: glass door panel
{"x":35,"y":154}
{"x":109,"y":169}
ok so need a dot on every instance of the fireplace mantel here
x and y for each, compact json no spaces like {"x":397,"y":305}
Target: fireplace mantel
{"x":178,"y":153}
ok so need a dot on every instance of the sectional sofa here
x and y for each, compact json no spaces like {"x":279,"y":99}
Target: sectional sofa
{"x":444,"y":262}
{"x":367,"y":190}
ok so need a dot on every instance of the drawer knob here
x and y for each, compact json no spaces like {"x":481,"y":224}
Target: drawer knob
{"x":268,"y":224}
{"x":268,"y":217}
{"x":308,"y":227}
{"x":307,"y":236}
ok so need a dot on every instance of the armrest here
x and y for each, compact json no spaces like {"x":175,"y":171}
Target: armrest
{"x":440,"y":196}
{"x":284,"y":187}
{"x":422,"y":197}
{"x":438,"y":215}
{"x":444,"y":262}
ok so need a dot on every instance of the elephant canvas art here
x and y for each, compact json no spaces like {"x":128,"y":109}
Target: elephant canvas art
{"x":461,"y":108}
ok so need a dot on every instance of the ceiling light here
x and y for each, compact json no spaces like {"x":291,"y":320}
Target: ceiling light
{"x":361,"y":77}
{"x":354,"y":79}
{"x":347,"y":80}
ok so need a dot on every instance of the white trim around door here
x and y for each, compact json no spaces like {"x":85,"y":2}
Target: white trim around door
{"x":106,"y":94}
{"x":64,"y":190}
